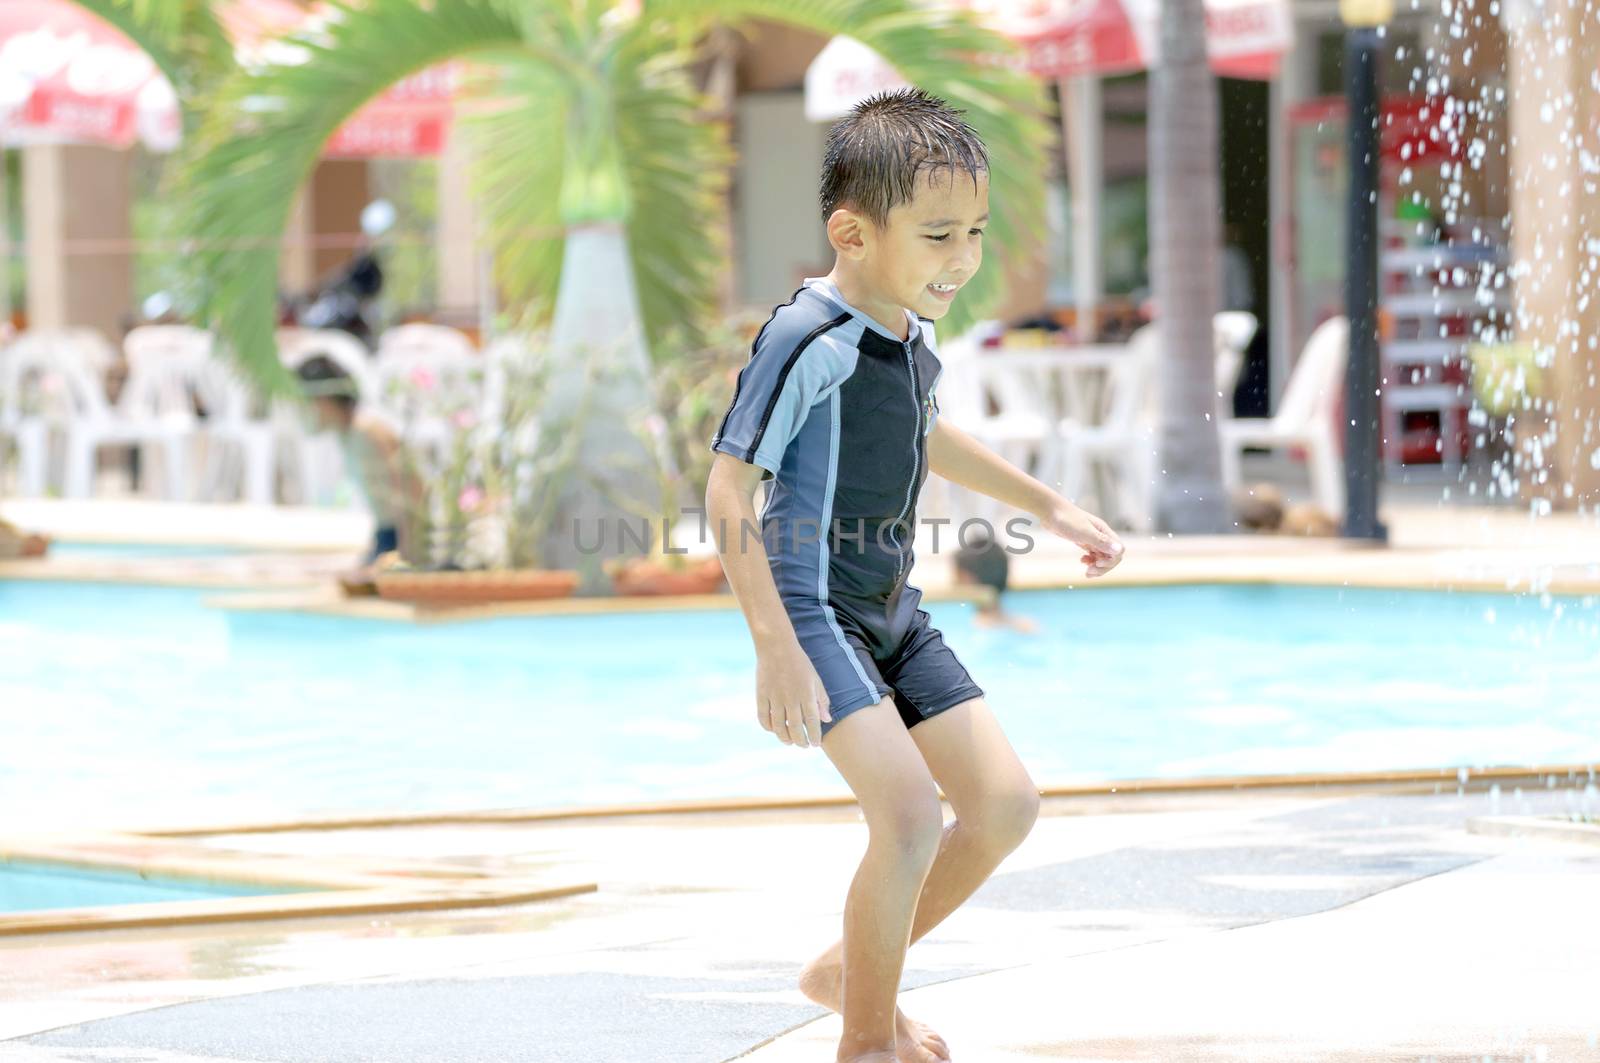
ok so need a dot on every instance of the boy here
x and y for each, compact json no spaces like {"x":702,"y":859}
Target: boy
{"x":984,"y":562}
{"x":836,"y":404}
{"x":371,"y":451}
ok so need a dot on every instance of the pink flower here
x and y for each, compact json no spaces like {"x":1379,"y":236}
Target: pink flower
{"x":423,"y":378}
{"x":464,"y":419}
{"x":471,"y":498}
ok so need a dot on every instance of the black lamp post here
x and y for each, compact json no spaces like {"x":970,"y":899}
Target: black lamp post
{"x":1362,"y":458}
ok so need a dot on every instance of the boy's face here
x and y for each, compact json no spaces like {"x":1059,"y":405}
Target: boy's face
{"x":330,"y":415}
{"x":932,"y":245}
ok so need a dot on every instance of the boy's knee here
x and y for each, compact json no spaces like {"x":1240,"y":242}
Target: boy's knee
{"x":1007,"y":817}
{"x":912,"y":828}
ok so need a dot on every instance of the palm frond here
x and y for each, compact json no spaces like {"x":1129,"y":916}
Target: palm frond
{"x":951,"y":55}
{"x":264,"y":128}
{"x":673,"y":163}
{"x":573,"y":83}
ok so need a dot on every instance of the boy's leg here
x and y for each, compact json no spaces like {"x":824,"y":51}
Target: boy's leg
{"x":883,"y":768}
{"x":994,"y":799}
{"x":995,"y":802}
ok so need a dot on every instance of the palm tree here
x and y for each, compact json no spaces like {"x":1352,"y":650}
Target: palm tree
{"x":1185,"y":211}
{"x":600,"y":179}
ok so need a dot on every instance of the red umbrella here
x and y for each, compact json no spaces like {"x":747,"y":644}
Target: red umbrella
{"x":65,"y":75}
{"x":1065,"y":38}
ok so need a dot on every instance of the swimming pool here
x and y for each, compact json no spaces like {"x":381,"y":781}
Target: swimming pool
{"x":31,"y":887}
{"x":86,"y":550}
{"x":126,"y":706}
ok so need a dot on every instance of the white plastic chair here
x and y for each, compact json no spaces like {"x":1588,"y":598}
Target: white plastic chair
{"x":1305,"y":418}
{"x":46,"y":378}
{"x":1021,"y":426}
{"x":1234,"y":329}
{"x":965,"y":387}
{"x":171,"y":369}
{"x":1122,"y":441}
{"x":296,"y":346}
{"x":422,"y":338}
{"x":425,"y":376}
{"x":88,"y":422}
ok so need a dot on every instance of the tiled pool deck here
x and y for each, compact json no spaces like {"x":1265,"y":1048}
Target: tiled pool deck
{"x":1337,"y":922}
{"x":1347,"y":924}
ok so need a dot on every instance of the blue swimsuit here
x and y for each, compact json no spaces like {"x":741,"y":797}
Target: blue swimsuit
{"x":837,"y":409}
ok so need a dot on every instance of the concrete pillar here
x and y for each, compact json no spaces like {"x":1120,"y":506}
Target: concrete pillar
{"x":339,"y":191}
{"x":76,"y":222}
{"x":456,"y":239}
{"x":1554,"y":123}
{"x":780,"y":236}
{"x":295,"y":268}
{"x":1082,"y":125}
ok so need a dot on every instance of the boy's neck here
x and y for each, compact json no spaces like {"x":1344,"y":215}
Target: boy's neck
{"x":856,"y":291}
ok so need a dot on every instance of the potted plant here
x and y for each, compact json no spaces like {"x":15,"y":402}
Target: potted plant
{"x":15,"y":543}
{"x":693,"y":381}
{"x":662,"y":570}
{"x":478,"y":528}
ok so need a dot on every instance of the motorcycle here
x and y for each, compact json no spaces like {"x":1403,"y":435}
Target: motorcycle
{"x":343,"y":300}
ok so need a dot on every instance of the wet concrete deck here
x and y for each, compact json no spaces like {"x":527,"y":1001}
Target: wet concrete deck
{"x":1263,"y":925}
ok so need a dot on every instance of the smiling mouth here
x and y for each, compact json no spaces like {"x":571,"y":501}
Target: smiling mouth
{"x":944,"y":289}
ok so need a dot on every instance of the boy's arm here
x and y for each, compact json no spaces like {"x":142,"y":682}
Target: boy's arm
{"x":963,"y":460}
{"x":390,"y":445}
{"x":406,"y":485}
{"x":789,"y":696}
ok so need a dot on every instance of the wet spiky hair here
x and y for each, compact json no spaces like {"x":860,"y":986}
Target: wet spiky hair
{"x":323,"y":378}
{"x":876,"y":151}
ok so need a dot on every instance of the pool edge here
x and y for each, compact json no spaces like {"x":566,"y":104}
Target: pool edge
{"x":363,"y":887}
{"x":1197,"y":784}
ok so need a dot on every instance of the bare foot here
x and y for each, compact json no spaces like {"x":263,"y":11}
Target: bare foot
{"x":914,"y":1042}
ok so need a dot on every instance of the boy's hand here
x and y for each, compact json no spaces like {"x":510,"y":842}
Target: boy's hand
{"x":790,"y":699}
{"x":1103,"y":550}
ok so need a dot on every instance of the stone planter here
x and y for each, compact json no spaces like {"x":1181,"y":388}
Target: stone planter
{"x":14,"y":546}
{"x":644,"y":576}
{"x":475,"y":588}
{"x":357,"y":587}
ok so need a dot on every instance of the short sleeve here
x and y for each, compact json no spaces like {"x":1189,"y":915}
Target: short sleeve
{"x":776,"y":391}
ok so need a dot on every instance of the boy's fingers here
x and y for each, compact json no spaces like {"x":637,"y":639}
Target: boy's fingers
{"x":813,"y":725}
{"x":797,"y":726}
{"x":1110,"y":544}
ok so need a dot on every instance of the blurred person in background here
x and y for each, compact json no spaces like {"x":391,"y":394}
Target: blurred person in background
{"x":984,"y":563}
{"x":372,"y":454}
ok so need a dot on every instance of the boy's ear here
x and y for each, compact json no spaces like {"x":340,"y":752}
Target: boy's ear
{"x":847,"y":233}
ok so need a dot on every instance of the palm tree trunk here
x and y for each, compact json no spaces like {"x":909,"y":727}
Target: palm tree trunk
{"x":1185,"y":215}
{"x":597,"y":340}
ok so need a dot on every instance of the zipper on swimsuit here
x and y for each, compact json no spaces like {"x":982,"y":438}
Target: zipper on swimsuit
{"x":916,"y":460}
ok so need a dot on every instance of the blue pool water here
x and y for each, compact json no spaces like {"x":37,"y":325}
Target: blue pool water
{"x":96,"y":550}
{"x":31,"y":887}
{"x":139,"y":704}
